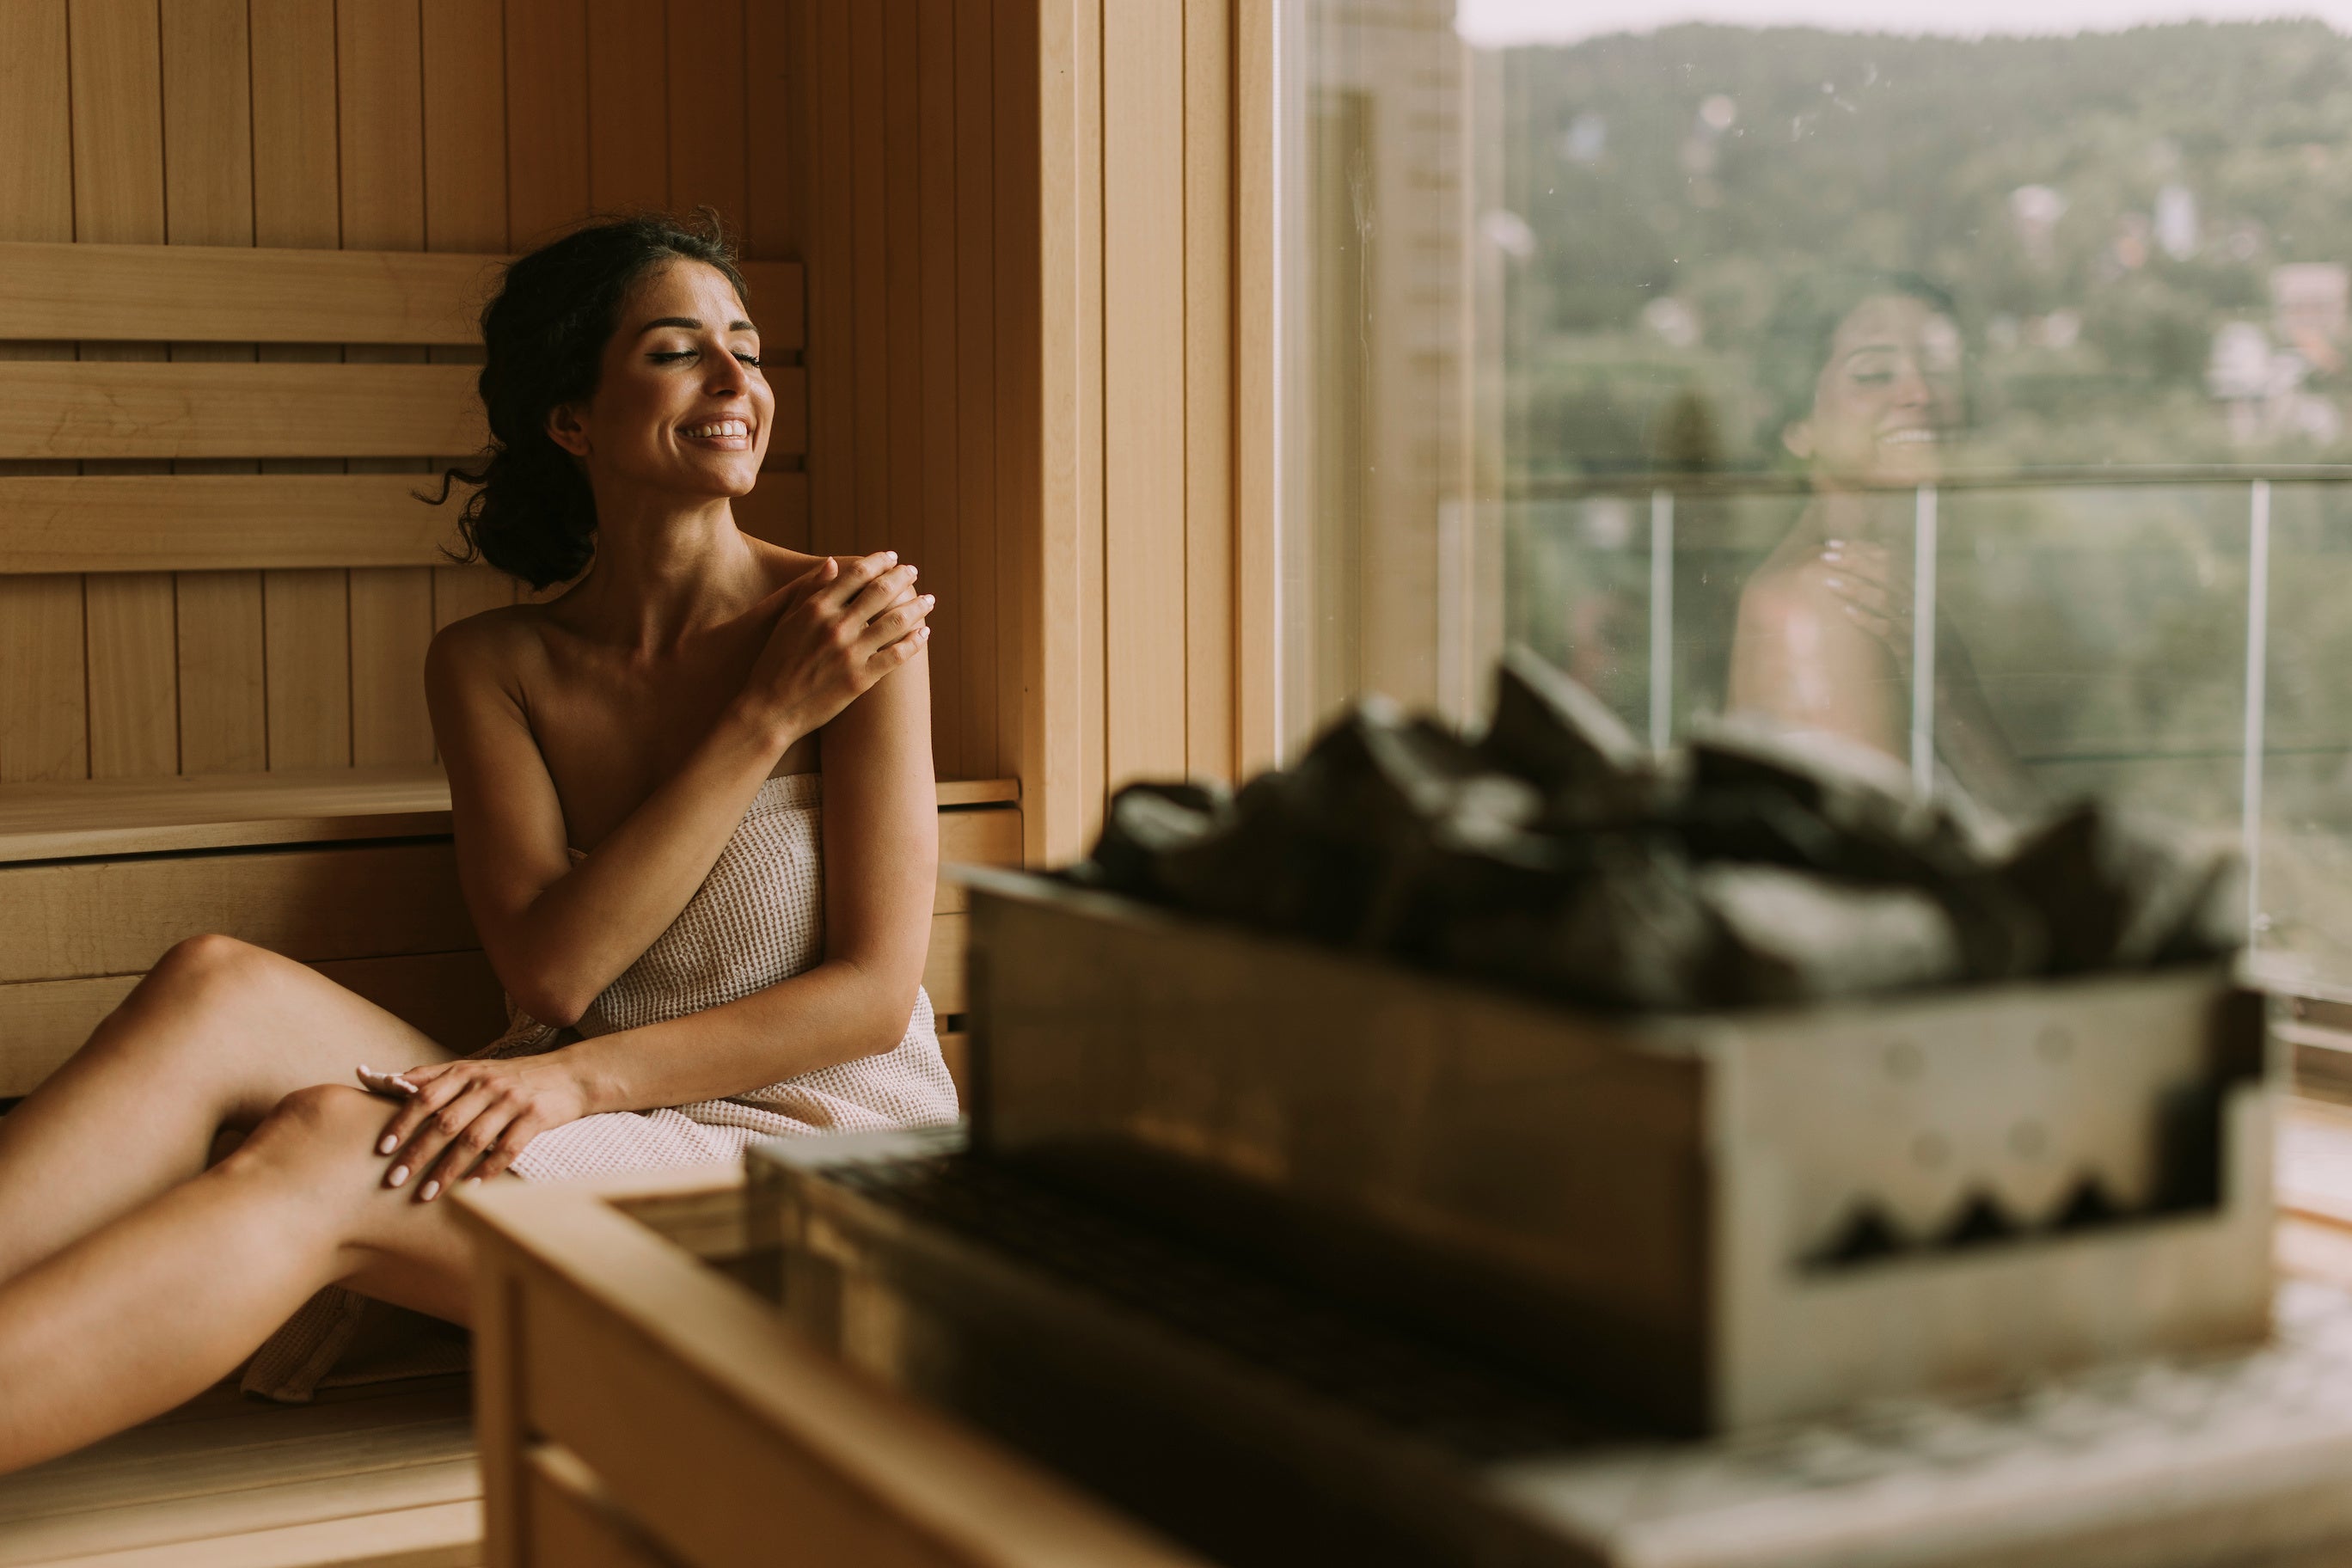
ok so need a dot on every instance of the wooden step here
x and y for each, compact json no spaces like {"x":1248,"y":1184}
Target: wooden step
{"x":379,"y":1477}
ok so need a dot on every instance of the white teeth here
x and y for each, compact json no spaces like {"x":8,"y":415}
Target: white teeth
{"x":1908,"y":438}
{"x":721,"y":427}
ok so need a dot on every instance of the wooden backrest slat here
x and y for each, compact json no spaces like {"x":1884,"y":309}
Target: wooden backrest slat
{"x":68,"y":409}
{"x":195,"y":293}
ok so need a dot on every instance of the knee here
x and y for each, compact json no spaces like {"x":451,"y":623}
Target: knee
{"x":207,"y":962}
{"x":322,"y":1122}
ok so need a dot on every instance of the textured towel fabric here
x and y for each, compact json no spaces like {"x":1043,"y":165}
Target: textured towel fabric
{"x":758,"y":917}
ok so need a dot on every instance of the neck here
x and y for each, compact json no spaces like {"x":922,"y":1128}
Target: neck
{"x":666,"y":569}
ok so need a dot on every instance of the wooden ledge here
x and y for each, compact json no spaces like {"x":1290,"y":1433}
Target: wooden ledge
{"x":144,"y":816}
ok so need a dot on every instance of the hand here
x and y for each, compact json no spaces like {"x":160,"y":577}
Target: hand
{"x":839,"y":630}
{"x":469,"y":1120}
{"x":1859,"y":577}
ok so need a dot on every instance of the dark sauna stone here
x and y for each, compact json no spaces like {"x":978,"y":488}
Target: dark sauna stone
{"x":2116,"y":892}
{"x":1979,"y":1221}
{"x":1868,"y":1235}
{"x":1148,"y":821}
{"x":2088,"y":1208}
{"x":1790,"y":937}
{"x":1551,"y":731}
{"x":1876,"y":828}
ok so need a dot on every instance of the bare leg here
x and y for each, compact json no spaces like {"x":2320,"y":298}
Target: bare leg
{"x":151,"y":1309}
{"x":217,"y":1034}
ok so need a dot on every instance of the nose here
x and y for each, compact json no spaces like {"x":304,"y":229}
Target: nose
{"x":730,"y":377}
{"x":1911,"y":389}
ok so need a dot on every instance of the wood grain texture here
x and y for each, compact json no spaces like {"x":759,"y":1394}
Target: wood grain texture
{"x":207,"y":129}
{"x":223,"y":716}
{"x":983,"y":583}
{"x":571,"y":1519}
{"x":900,"y":343}
{"x":707,"y":140}
{"x":65,"y":920}
{"x":936,"y":544}
{"x":1209,"y":749}
{"x":1257,"y":717}
{"x":869,"y":214}
{"x":1144,"y":252}
{"x":548,"y":127}
{"x":832,"y":292}
{"x":776,"y":121}
{"x":614,"y":1333}
{"x":628,"y":126}
{"x":203,"y":522}
{"x":391,"y":626}
{"x":43,"y":719}
{"x":306,"y":621}
{"x":379,"y":108}
{"x":461,"y":53}
{"x":296,"y":183}
{"x":118,"y":121}
{"x":131,"y":638}
{"x":1090,"y":393}
{"x":197,"y":410}
{"x":44,"y":732}
{"x":35,"y":122}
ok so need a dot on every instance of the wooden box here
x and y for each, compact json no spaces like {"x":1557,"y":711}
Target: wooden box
{"x":1659,"y":1213}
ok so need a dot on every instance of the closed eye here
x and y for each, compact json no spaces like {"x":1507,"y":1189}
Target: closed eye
{"x":666,"y":357}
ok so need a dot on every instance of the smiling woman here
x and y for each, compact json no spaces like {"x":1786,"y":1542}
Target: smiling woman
{"x":697,"y":832}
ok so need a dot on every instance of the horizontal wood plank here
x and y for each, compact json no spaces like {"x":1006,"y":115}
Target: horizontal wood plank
{"x":202,"y":293}
{"x":989,"y":836}
{"x":133,"y":816}
{"x":65,"y":919}
{"x":572,"y":1522}
{"x":943,"y":967}
{"x":214,"y":522}
{"x":108,"y":410}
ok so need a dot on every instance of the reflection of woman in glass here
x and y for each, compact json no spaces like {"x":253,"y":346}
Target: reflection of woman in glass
{"x":1868,"y":369}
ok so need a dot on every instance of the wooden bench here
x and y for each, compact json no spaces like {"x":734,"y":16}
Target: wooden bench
{"x":351,"y":872}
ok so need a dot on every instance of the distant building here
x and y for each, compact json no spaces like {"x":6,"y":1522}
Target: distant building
{"x":2310,"y":304}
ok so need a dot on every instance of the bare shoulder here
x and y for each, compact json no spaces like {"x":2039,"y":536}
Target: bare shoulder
{"x":489,"y":649}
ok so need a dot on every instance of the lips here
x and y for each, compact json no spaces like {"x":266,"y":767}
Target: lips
{"x":717,"y":430}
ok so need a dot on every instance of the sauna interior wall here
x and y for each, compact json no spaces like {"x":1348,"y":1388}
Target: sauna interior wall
{"x":482,"y":126}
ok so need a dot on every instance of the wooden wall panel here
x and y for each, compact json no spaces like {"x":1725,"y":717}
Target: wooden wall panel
{"x":547,"y":117}
{"x":833,"y":471}
{"x":44,"y":731}
{"x":937,"y":533}
{"x":707,"y":140}
{"x":776,"y":39}
{"x":980,"y":611}
{"x":1207,"y":350}
{"x":628,"y":83}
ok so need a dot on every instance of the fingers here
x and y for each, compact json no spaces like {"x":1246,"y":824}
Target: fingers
{"x":806,"y":586}
{"x":894,"y":623}
{"x":893,"y":587}
{"x":430,"y":1098}
{"x":853,"y":579}
{"x":509,"y":1145}
{"x":435,"y":1132}
{"x":469,"y":1144}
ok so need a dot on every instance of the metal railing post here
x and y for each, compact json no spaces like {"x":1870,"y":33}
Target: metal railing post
{"x":2258,"y":626}
{"x":1662,"y":618}
{"x":1923,"y":641}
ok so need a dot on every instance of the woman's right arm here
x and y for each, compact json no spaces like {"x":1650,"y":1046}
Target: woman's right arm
{"x":559,"y":934}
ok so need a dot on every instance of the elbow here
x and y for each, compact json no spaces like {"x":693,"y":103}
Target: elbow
{"x":882,"y":1022}
{"x":548,"y":998}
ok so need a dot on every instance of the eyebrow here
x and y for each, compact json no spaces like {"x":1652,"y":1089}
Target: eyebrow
{"x":691,"y":325}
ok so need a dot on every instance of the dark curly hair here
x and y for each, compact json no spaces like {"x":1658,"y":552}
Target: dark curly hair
{"x":531,"y":514}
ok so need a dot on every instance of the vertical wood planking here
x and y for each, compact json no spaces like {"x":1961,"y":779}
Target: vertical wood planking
{"x":208,"y":200}
{"x":1256,"y":678}
{"x":463,"y":47}
{"x":628,"y":101}
{"x":1143,"y":285}
{"x":1208,"y":389}
{"x":44,"y":728}
{"x":776,"y":128}
{"x":547,"y":117}
{"x":832,"y":353}
{"x":938,"y":545}
{"x":1087,"y":80}
{"x":115,"y":68}
{"x":298,"y":202}
{"x":900,"y":345}
{"x":980,"y":585}
{"x":707,"y":140}
{"x":379,"y":74}
{"x":869,"y":264}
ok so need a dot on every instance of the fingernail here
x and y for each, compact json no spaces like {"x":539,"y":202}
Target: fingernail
{"x":891,"y":556}
{"x":399,"y":1175}
{"x":473,"y":1180}
{"x":928,"y":600}
{"x":388,"y":1144}
{"x":432,"y":1190}
{"x":927,"y":634}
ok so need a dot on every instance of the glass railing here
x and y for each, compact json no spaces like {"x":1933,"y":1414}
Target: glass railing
{"x":2173,"y":639}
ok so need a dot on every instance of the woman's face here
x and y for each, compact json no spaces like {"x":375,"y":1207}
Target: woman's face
{"x":1887,"y":399}
{"x":681,"y":405}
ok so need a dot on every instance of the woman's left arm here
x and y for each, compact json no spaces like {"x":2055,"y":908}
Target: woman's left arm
{"x":881,"y":849}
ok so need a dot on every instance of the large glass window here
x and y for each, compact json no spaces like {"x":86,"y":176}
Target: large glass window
{"x":1975,"y":381}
